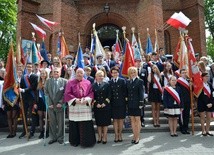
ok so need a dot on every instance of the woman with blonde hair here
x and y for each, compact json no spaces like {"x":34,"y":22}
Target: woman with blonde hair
{"x":135,"y":91}
{"x":102,"y":106}
{"x":40,"y":100}
{"x":155,"y":93}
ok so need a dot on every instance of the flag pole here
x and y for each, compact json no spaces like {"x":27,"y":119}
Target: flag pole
{"x":191,"y":81}
{"x":95,"y":59}
{"x":21,"y":102}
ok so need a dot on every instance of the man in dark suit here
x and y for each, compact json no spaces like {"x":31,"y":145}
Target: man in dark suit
{"x":28,"y":86}
{"x":111,"y":63}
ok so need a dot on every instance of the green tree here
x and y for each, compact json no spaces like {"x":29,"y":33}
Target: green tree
{"x":209,"y":15}
{"x":8,"y":21}
{"x":210,"y":47}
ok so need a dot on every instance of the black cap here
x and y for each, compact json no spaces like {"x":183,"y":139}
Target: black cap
{"x":169,"y":56}
{"x":45,"y":61}
{"x":99,"y":55}
{"x":204,"y":74}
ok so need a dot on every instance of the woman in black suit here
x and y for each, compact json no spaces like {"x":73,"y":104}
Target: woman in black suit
{"x":102,"y":107}
{"x":118,"y":102}
{"x":135,"y":102}
{"x":205,"y":104}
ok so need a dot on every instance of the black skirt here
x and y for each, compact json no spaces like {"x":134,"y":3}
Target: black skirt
{"x":134,"y":111}
{"x":119,"y":112}
{"x":102,"y":117}
{"x":203,"y":108}
{"x":155,"y":96}
{"x":41,"y":105}
{"x":82,"y":133}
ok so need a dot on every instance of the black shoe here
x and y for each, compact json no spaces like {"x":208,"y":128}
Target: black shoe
{"x":133,"y":141}
{"x":204,"y":134}
{"x":158,"y":125}
{"x":209,"y":134}
{"x":120,"y":140}
{"x":136,"y":142}
{"x":41,"y":135}
{"x":116,"y":141}
{"x":104,"y":142}
{"x":52,"y":141}
{"x":142,"y":124}
{"x":172,"y":135}
{"x":187,"y":132}
{"x":14,"y":135}
{"x":183,"y":132}
{"x":175,"y":135}
{"x":10,"y":136}
{"x":22,"y":135}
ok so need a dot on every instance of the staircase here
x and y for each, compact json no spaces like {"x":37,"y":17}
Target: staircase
{"x":148,"y":123}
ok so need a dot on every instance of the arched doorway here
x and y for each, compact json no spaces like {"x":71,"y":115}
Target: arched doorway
{"x":106,"y":26}
{"x":107,"y":34}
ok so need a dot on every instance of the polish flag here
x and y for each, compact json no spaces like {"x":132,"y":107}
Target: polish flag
{"x":39,"y":31}
{"x":178,"y":20}
{"x":48,"y":23}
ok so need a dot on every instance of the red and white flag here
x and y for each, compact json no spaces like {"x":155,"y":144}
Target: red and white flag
{"x":46,"y":22}
{"x":41,"y":33}
{"x":194,"y":72}
{"x":178,"y":20}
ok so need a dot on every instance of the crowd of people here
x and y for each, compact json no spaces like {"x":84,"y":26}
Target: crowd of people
{"x":98,"y":91}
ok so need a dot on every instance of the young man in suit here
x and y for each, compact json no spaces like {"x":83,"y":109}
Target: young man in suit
{"x":54,"y":89}
{"x":28,"y":86}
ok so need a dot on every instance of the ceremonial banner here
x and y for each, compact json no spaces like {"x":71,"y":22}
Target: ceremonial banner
{"x":10,"y":91}
{"x":128,"y":60}
{"x":194,"y":72}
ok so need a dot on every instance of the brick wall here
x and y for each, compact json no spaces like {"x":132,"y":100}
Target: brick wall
{"x":141,"y":14}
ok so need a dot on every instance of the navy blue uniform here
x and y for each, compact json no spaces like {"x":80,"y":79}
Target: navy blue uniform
{"x":135,"y":96}
{"x":118,"y":95}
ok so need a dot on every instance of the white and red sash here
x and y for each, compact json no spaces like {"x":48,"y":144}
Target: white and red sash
{"x":173,"y":93}
{"x":156,"y":81}
{"x":183,"y":82}
{"x":177,"y":73}
{"x":207,"y":90}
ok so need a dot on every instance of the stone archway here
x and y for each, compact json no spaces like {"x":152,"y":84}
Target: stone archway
{"x":105,"y":20}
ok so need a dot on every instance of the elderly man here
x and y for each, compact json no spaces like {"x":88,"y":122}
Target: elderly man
{"x":79,"y":95}
{"x":54,"y":89}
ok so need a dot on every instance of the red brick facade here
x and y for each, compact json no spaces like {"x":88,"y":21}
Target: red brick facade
{"x":79,"y":15}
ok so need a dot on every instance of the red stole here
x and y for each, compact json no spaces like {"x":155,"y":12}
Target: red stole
{"x":157,"y":83}
{"x":173,"y":93}
{"x":206,"y":90}
{"x":183,"y":82}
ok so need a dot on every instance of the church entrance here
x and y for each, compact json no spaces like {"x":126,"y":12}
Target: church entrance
{"x":107,"y":34}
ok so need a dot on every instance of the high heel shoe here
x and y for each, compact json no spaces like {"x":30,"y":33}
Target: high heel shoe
{"x":104,"y":142}
{"x":116,"y":141}
{"x":136,"y":142}
{"x":209,"y":134}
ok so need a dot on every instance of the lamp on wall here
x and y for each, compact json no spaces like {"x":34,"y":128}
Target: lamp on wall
{"x":106,"y":8}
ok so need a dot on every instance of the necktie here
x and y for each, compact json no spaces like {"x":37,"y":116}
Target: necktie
{"x":55,"y":86}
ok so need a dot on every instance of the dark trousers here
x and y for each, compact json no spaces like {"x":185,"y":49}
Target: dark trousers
{"x":185,"y":116}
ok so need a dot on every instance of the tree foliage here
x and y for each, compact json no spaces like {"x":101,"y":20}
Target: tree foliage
{"x":8,"y":21}
{"x":209,"y":15}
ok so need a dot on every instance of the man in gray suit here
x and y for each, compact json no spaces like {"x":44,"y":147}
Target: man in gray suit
{"x":54,"y":89}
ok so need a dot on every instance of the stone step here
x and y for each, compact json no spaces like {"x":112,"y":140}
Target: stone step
{"x":147,"y":128}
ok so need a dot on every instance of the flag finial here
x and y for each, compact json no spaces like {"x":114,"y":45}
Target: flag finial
{"x":133,"y":29}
